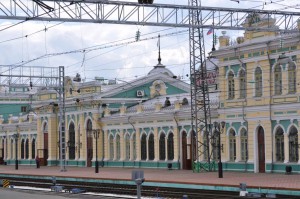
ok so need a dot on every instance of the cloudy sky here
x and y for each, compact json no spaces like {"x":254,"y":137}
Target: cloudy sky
{"x":29,"y":41}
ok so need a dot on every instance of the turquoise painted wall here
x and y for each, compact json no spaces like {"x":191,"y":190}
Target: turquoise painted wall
{"x":15,"y":109}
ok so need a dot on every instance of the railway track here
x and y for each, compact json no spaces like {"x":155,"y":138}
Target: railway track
{"x":150,"y":191}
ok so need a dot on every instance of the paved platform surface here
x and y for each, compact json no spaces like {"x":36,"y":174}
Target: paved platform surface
{"x":230,"y":179}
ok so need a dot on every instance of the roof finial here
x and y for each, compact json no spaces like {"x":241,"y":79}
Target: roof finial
{"x":159,"y":58}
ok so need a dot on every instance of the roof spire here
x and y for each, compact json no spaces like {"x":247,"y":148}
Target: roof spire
{"x":159,"y":58}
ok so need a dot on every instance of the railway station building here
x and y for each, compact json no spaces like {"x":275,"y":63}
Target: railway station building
{"x":146,"y":123}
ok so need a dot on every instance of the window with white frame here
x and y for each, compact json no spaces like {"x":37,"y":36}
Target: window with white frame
{"x":127,"y":147}
{"x":118,"y":145}
{"x":151,"y":146}
{"x":242,"y":78}
{"x":277,"y":80}
{"x":292,"y":80}
{"x":232,"y":145}
{"x":279,"y":141}
{"x":258,"y":82}
{"x":144,"y":147}
{"x":162,"y":146}
{"x":293,"y":145}
{"x":170,"y":146}
{"x":134,"y":146}
{"x":244,"y":145}
{"x":111,"y":147}
{"x":230,"y":85}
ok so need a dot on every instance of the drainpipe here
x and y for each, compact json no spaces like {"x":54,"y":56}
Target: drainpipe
{"x":178,"y":140}
{"x":246,"y":121}
{"x":270,"y":107}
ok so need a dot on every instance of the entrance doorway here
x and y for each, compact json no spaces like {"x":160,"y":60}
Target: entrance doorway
{"x":261,"y":150}
{"x":89,"y":144}
{"x":186,"y":153}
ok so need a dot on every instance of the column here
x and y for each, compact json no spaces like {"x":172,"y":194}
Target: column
{"x":238,"y":147}
{"x":30,"y":147}
{"x":115,"y":149}
{"x":122,"y":145}
{"x":237,"y":93}
{"x":138,"y":145}
{"x":52,"y":138}
{"x":156,"y":144}
{"x":166,"y":147}
{"x":106,"y":146}
{"x":176,"y":144}
{"x":82,"y":138}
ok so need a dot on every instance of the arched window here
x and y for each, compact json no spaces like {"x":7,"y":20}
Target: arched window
{"x":242,"y":78}
{"x":279,"y":140}
{"x":244,"y":145}
{"x":232,"y":145}
{"x":162,"y":147}
{"x":277,"y":80}
{"x":144,"y":147}
{"x":292,"y":78}
{"x":151,"y":146}
{"x":171,"y":146}
{"x":71,"y":142}
{"x":33,"y":149}
{"x":293,"y":145}
{"x":127,"y":147}
{"x":118,"y":145}
{"x":22,"y":149}
{"x":111,"y":147}
{"x":27,"y":149}
{"x":12,"y":144}
{"x":134,"y":146}
{"x":214,"y":145}
{"x":258,"y":82}
{"x":230,"y":85}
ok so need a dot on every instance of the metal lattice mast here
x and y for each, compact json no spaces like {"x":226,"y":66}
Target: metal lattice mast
{"x":200,"y":105}
{"x":62,"y":133}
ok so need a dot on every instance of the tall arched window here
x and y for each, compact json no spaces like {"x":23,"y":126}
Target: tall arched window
{"x":144,"y":147}
{"x":33,"y":148}
{"x":292,"y":78}
{"x":134,"y":146}
{"x":258,"y":82}
{"x":230,"y":85}
{"x":232,"y":145}
{"x":214,"y":144}
{"x":118,"y":145}
{"x":22,"y":149}
{"x":242,"y":78}
{"x":27,"y":149}
{"x":293,"y":145}
{"x":279,"y":140}
{"x":151,"y":146}
{"x":277,"y":80}
{"x":111,"y":147}
{"x":127,"y":147}
{"x":244,"y":145}
{"x":162,"y":147}
{"x":171,"y":146}
{"x":71,"y":142}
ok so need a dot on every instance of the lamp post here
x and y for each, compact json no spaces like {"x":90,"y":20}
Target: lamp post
{"x":96,"y":136}
{"x":218,"y":128}
{"x":16,"y":137}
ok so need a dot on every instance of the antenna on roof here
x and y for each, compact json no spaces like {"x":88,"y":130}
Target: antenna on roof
{"x":158,"y":43}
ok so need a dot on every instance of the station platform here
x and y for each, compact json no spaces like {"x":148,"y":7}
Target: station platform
{"x":274,"y":183}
